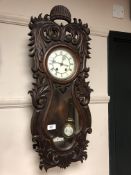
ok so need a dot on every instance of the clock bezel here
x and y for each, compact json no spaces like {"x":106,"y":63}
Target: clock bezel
{"x":76,"y":61}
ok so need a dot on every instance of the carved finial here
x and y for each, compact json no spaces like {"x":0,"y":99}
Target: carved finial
{"x":60,"y":12}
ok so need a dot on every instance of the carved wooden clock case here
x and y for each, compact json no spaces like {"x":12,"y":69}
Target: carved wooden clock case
{"x":60,"y":97}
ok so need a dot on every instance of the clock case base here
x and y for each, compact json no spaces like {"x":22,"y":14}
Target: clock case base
{"x":46,"y":33}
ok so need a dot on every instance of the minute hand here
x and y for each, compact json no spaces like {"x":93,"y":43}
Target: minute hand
{"x":61,"y":64}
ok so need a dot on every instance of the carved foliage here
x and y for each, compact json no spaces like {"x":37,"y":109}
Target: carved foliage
{"x":46,"y":31}
{"x":40,"y":92}
{"x":50,"y":157}
{"x":82,"y":89}
{"x":44,"y":34}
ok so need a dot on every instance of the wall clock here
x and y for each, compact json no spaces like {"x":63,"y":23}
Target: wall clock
{"x":61,"y":119}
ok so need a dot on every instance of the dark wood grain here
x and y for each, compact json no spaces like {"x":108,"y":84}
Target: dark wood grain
{"x":51,"y":97}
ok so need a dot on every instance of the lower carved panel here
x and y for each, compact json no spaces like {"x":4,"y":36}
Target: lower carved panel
{"x":50,"y":157}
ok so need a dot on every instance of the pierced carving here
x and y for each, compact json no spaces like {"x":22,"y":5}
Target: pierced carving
{"x":46,"y":33}
{"x":82,"y":88}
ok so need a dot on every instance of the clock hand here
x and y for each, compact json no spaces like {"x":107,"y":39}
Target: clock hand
{"x":55,"y":62}
{"x":64,"y":65}
{"x":61,"y":64}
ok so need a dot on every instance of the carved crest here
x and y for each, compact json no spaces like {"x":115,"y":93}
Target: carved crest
{"x":46,"y":33}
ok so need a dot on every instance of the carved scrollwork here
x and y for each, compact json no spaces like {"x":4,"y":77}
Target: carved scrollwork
{"x":78,"y":34}
{"x":46,"y":33}
{"x":82,"y":89}
{"x":40,"y":92}
{"x":75,"y":34}
{"x":49,"y":157}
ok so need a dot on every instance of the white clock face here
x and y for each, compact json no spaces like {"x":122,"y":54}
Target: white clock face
{"x":68,"y":130}
{"x":61,"y":64}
